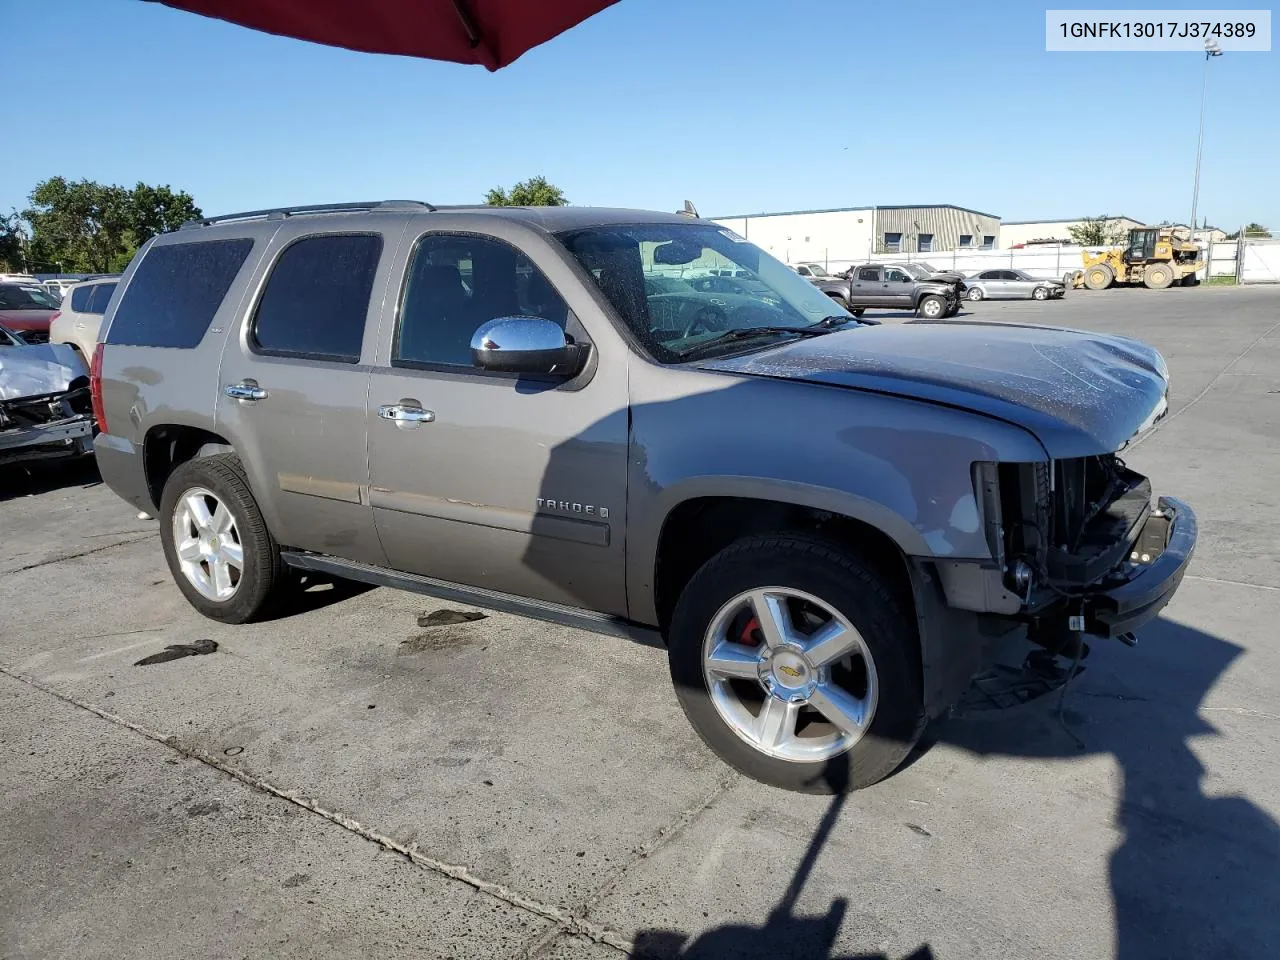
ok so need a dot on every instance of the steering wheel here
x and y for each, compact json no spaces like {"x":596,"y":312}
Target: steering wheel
{"x":707,"y":318}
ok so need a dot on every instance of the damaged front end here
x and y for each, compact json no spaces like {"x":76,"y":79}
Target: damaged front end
{"x":45,"y":407}
{"x":1077,"y":547}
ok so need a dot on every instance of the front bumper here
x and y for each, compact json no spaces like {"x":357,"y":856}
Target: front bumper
{"x":59,"y":438}
{"x":1167,"y":540}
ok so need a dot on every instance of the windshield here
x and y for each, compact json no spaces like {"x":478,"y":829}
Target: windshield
{"x":816,"y":270}
{"x":680,"y":286}
{"x":913,"y":270}
{"x":14,"y":297}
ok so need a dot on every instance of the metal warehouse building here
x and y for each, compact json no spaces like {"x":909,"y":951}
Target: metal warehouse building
{"x":1016,"y":232}
{"x":842,"y":235}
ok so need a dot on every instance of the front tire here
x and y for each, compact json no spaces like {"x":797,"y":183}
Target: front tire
{"x":975,"y":294}
{"x":1099,"y":277}
{"x":221,"y":555}
{"x":1040,"y":293}
{"x":798,"y":664}
{"x":932,"y":307}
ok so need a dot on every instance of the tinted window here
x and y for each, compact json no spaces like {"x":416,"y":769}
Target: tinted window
{"x":317,"y":297}
{"x":895,"y":276}
{"x":456,"y":283}
{"x":175,"y":292}
{"x":990,"y":275}
{"x":80,"y":298}
{"x":101,"y":297}
{"x":869,"y":273}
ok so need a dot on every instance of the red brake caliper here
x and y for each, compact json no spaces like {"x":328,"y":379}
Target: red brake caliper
{"x":751,"y":636}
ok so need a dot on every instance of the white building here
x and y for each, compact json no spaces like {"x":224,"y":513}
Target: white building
{"x":1016,"y":233}
{"x":839,"y":236}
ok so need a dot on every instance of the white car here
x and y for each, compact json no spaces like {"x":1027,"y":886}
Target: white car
{"x":81,"y":314}
{"x":811,"y":271}
{"x":59,"y":288}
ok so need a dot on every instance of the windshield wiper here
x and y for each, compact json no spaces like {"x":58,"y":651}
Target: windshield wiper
{"x":747,"y":333}
{"x":838,"y":320}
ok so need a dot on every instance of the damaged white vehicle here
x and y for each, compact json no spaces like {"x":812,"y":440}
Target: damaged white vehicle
{"x":45,"y":407}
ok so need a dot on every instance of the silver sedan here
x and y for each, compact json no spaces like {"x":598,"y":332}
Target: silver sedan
{"x":1011,"y":285}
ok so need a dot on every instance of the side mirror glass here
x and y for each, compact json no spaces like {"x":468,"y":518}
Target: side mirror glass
{"x":525,"y":345}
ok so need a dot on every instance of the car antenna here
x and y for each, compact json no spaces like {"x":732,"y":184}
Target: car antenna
{"x":689,"y":210}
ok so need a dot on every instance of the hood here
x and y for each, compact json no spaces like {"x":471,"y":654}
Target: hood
{"x":33,"y":371}
{"x":1080,"y":393}
{"x":21,"y":320}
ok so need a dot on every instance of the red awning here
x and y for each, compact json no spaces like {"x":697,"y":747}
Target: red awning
{"x":492,"y":33}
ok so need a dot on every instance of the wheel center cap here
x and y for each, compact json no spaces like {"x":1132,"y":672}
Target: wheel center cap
{"x":786,"y":674}
{"x":213,"y":543}
{"x":789,"y":670}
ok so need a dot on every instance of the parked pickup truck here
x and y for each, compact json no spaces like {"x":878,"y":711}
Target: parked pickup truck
{"x":825,"y":520}
{"x":891,"y":287}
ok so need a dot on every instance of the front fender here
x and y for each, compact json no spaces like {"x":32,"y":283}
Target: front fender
{"x":901,"y":466}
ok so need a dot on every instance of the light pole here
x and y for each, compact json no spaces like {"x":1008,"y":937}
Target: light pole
{"x":1211,"y":50}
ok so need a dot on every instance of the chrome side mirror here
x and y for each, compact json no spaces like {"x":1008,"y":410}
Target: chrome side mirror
{"x":526,"y":345}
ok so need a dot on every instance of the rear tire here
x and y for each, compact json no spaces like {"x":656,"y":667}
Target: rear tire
{"x":932,"y":307}
{"x":1099,"y":277}
{"x":1157,"y":276}
{"x":219,"y":482}
{"x":1190,"y":280}
{"x":885,"y":672}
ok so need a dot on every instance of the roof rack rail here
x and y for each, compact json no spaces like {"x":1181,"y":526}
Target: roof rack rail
{"x":279,"y":213}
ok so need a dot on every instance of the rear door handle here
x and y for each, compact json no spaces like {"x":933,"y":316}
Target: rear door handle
{"x":245,"y":390}
{"x":405,"y":413}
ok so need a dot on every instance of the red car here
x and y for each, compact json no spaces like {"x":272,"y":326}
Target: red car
{"x":27,"y":310}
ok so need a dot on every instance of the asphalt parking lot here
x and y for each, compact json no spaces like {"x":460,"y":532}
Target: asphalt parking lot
{"x":343,"y":783}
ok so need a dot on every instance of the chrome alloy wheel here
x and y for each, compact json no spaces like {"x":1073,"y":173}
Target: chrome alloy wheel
{"x":789,"y":674}
{"x":208,"y":544}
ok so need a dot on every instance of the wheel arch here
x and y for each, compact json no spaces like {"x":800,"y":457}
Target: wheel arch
{"x":701,"y":516}
{"x":167,"y":446}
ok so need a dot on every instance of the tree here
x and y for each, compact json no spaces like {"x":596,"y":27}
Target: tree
{"x":534,"y":192}
{"x":1254,"y":231}
{"x":12,"y":255}
{"x":87,"y":227}
{"x":1097,"y":232}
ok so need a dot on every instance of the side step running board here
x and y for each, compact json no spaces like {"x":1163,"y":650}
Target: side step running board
{"x":561,"y":614}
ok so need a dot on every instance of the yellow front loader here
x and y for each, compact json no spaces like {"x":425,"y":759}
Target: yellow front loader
{"x":1156,"y":257}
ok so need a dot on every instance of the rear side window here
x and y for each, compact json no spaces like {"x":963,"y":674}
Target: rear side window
{"x":869,"y":273}
{"x":317,"y":297}
{"x":101,"y":297}
{"x":80,"y":298}
{"x":175,"y":292}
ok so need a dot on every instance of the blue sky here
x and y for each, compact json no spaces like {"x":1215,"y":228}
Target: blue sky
{"x":739,"y":105}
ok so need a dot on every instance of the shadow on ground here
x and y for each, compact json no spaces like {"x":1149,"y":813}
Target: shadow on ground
{"x":1196,"y":876}
{"x":46,"y":476}
{"x":784,"y":933}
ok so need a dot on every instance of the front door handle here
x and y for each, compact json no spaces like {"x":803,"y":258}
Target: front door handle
{"x":245,"y":390}
{"x":405,"y":413}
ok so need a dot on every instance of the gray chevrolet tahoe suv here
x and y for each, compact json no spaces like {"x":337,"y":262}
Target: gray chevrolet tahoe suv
{"x":827,"y":521}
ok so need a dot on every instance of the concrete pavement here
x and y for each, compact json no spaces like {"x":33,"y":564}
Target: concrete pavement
{"x":506,"y":788}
